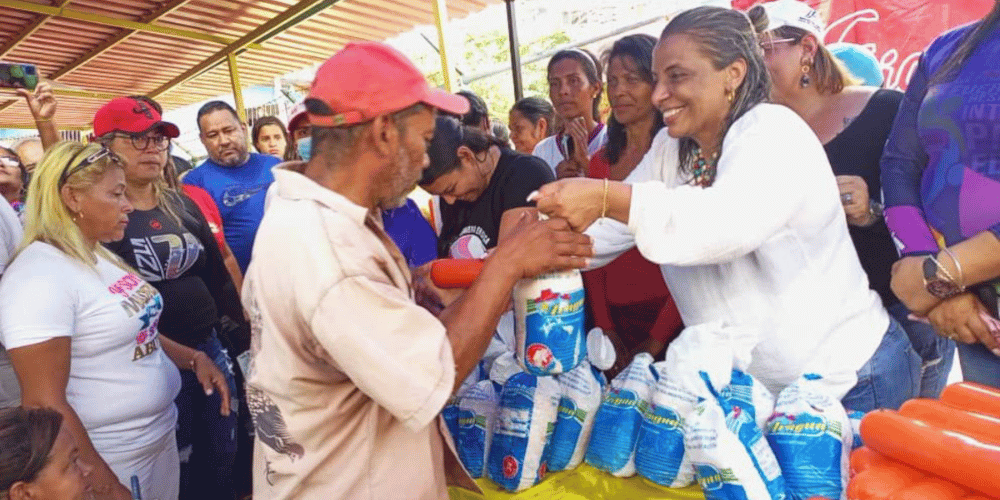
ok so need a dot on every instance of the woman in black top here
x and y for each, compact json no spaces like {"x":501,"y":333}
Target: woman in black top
{"x":853,"y":123}
{"x":170,"y":244}
{"x":478,"y":180}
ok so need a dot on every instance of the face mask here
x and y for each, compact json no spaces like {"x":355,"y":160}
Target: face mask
{"x":304,"y":146}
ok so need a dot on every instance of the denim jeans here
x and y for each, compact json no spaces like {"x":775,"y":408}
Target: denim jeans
{"x":206,"y":440}
{"x":891,"y":375}
{"x":936,"y":352}
{"x":979,"y":364}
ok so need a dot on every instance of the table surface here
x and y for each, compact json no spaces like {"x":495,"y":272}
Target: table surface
{"x":582,"y":483}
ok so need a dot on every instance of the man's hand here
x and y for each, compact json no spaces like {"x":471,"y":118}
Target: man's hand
{"x":42,"y":102}
{"x":960,"y":318}
{"x":536,"y":247}
{"x":429,"y":296}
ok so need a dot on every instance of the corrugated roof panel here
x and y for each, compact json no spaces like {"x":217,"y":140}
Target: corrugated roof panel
{"x":94,"y":56}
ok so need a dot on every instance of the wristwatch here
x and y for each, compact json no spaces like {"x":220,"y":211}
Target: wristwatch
{"x":941,"y":288}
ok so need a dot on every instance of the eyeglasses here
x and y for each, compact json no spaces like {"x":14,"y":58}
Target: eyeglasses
{"x":768,"y":45}
{"x":90,"y":160}
{"x":141,"y":142}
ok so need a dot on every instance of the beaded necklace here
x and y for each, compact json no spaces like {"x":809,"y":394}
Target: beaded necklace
{"x":704,"y":169}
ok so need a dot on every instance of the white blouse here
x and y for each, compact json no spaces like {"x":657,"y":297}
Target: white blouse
{"x":765,"y":248}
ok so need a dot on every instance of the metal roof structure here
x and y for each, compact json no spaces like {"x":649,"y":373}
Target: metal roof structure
{"x":184,"y":51}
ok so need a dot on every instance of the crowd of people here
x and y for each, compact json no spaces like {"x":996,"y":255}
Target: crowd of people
{"x":265,"y":323}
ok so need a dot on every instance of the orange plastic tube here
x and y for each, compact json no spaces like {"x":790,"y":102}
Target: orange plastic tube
{"x":973,"y":397}
{"x":879,"y":483}
{"x":982,"y":427}
{"x":930,"y":488}
{"x":956,"y":457}
{"x":864,"y":458}
{"x":455,"y":273}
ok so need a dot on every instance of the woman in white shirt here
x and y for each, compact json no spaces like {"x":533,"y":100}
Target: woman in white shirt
{"x":574,"y":77}
{"x":737,"y":203}
{"x":81,"y":328}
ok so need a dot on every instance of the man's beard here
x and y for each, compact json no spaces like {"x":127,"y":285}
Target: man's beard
{"x":397,"y":186}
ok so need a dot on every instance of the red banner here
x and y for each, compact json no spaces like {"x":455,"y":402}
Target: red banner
{"x":896,"y":31}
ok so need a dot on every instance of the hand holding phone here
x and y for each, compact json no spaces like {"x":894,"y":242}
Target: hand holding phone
{"x":18,"y":76}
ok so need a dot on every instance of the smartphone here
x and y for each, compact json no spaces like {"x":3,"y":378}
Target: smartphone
{"x":567,"y":144}
{"x":18,"y":76}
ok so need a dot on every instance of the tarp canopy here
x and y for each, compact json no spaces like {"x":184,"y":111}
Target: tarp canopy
{"x":177,"y":50}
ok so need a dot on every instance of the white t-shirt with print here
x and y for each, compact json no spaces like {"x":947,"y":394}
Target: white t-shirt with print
{"x":121,"y":384}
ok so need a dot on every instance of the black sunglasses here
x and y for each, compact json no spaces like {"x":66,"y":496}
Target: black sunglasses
{"x":90,"y":160}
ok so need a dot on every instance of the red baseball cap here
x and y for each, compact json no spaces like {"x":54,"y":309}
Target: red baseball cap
{"x":368,"y":79}
{"x":132,"y":116}
{"x":299,"y":115}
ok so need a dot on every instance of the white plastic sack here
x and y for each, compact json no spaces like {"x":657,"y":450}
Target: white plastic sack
{"x":525,"y":420}
{"x":476,"y":412}
{"x":548,"y":323}
{"x":616,"y":426}
{"x":811,"y":436}
{"x":581,"y":396}
{"x":750,"y":395}
{"x":503,"y":367}
{"x":659,"y":453}
{"x":731,"y":457}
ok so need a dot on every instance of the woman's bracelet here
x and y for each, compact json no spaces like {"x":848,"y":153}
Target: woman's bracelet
{"x":958,"y":267}
{"x":604,"y":204}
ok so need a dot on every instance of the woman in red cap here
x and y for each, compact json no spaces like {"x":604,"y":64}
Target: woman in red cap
{"x":169,"y":242}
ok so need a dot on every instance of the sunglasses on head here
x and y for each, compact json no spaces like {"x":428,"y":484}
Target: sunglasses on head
{"x":71,"y":169}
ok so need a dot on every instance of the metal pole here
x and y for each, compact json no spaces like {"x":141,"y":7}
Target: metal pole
{"x":515,"y":50}
{"x":440,"y":19}
{"x":234,"y":79}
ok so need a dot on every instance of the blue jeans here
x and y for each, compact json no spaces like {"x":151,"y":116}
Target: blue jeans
{"x":979,"y":364}
{"x":936,"y":352}
{"x":206,"y":440}
{"x":891,"y":375}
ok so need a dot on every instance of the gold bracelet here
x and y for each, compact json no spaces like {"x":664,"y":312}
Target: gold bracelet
{"x":604,"y":204}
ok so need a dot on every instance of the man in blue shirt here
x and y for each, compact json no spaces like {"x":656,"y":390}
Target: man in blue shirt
{"x":236,"y":178}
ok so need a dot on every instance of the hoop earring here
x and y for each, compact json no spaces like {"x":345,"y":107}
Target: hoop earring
{"x":806,"y":79}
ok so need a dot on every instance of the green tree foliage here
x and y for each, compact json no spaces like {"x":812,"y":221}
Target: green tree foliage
{"x":484,"y":51}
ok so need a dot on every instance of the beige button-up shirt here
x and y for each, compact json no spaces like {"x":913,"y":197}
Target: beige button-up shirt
{"x":347,"y":374}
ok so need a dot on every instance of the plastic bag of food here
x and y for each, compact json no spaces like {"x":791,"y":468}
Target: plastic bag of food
{"x":659,"y":453}
{"x":524,"y":423}
{"x":731,"y":457}
{"x":616,"y":426}
{"x":477,"y":409}
{"x":811,"y":437}
{"x":581,"y":396}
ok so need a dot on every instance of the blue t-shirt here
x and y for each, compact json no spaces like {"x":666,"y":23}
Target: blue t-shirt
{"x":941,"y":167}
{"x":239,"y":193}
{"x":411,"y":232}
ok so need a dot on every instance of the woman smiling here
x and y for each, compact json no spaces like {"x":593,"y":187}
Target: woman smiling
{"x":737,"y":203}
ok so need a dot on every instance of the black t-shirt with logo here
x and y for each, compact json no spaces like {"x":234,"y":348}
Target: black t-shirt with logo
{"x":469,"y":229}
{"x":182,"y":260}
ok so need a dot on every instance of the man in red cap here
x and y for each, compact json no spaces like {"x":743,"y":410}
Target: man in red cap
{"x":347,"y":374}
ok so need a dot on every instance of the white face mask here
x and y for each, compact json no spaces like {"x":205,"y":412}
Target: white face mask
{"x":304,"y":145}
